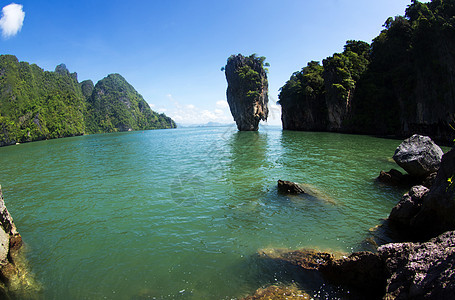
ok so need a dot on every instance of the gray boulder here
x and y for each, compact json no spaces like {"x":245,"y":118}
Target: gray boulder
{"x":418,"y":155}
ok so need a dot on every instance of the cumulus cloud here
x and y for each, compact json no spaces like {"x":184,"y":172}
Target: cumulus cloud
{"x":12,"y":20}
{"x":222,"y":104}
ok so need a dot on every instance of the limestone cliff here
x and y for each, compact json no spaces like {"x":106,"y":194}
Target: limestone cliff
{"x":401,"y":84}
{"x":247,"y":92}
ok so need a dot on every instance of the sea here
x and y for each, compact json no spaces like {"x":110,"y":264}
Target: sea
{"x":183,"y":213}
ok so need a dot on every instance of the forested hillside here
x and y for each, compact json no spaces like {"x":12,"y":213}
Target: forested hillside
{"x":37,"y":104}
{"x":403,"y":83}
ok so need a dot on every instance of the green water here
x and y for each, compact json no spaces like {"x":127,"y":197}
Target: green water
{"x":180,"y":213}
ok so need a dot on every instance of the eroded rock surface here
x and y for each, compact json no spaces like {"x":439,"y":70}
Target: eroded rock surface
{"x":247,"y":92}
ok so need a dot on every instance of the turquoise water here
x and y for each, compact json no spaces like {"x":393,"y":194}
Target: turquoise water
{"x":181,"y":213}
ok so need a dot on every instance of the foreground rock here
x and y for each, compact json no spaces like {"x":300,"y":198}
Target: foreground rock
{"x":279,"y":292}
{"x":423,"y":213}
{"x":288,"y":187}
{"x":408,"y":207}
{"x":15,"y":281}
{"x":419,"y":156}
{"x":396,"y":271}
{"x":247,"y":92}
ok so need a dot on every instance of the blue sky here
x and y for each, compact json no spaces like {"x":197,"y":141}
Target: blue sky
{"x":172,"y":51}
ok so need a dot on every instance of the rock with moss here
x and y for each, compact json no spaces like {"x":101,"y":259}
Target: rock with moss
{"x":247,"y":92}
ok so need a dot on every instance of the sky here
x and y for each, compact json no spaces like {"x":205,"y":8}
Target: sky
{"x":172,"y":51}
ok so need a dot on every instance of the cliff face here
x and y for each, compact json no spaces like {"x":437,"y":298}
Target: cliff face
{"x":247,"y":92}
{"x":320,"y":97}
{"x":403,"y":84}
{"x":36,"y":104}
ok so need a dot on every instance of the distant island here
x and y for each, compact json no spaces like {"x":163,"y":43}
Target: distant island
{"x":38,"y":105}
{"x":401,"y":84}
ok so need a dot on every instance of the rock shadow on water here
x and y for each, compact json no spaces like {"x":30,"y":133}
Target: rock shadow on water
{"x":296,"y":274}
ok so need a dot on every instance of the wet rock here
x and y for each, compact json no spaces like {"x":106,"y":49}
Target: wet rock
{"x":418,"y":155}
{"x":247,"y":92}
{"x":408,"y":206}
{"x":288,"y":187}
{"x":279,"y":292}
{"x":307,"y":259}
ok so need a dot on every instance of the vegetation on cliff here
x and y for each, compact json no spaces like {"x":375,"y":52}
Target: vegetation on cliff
{"x":403,"y":83}
{"x":37,"y":104}
{"x":116,"y":106}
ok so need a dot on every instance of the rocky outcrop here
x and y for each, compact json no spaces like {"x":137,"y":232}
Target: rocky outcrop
{"x":423,"y":213}
{"x":437,"y":213}
{"x":288,"y":187}
{"x":419,"y":156}
{"x":10,"y":244}
{"x":408,"y":207}
{"x":247,"y":92}
{"x":400,"y":270}
{"x":420,"y":270}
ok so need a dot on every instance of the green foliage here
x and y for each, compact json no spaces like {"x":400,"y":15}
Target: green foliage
{"x":335,"y":79}
{"x":37,"y":104}
{"x":252,"y":72}
{"x":116,"y":106}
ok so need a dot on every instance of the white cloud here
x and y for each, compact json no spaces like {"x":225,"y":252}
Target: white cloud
{"x":12,"y":19}
{"x":222,"y":104}
{"x":190,"y":106}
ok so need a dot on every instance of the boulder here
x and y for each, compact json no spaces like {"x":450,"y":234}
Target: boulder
{"x":396,"y":178}
{"x":408,"y":206}
{"x":289,"y":187}
{"x":418,"y":155}
{"x":247,"y":91}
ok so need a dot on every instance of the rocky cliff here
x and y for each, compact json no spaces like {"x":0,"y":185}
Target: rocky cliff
{"x":404,"y":83}
{"x":247,"y":92}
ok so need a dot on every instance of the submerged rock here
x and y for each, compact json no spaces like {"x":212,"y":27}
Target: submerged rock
{"x":288,"y":187}
{"x":247,"y":92}
{"x":284,"y":292}
{"x":418,"y":155}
